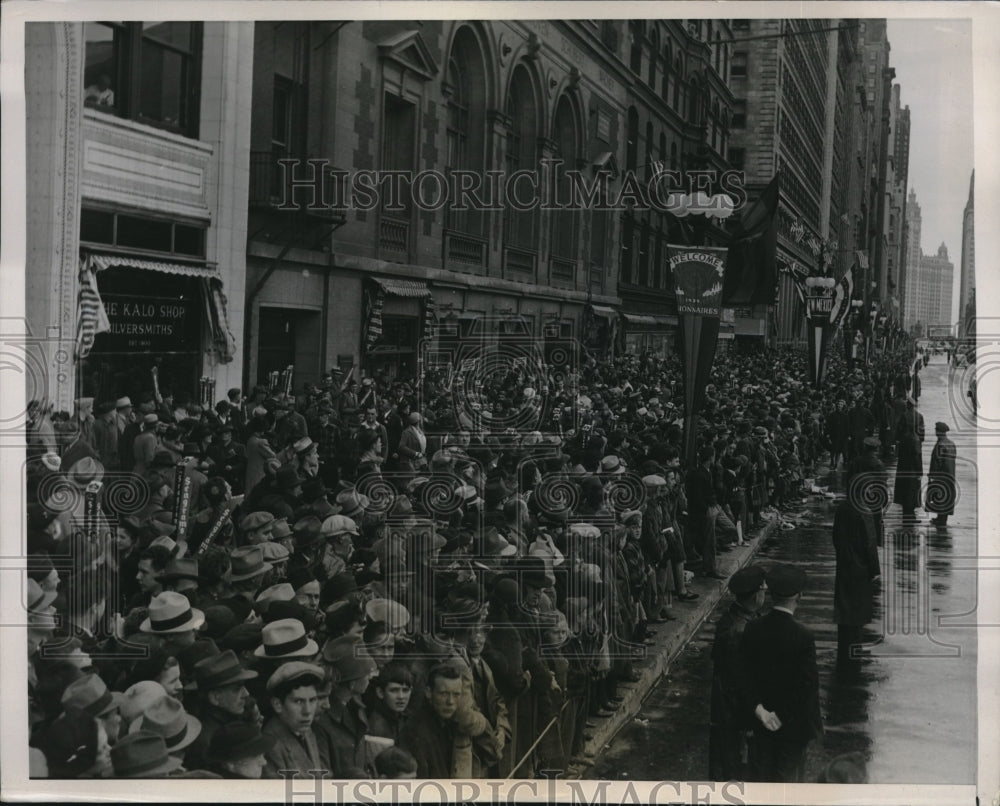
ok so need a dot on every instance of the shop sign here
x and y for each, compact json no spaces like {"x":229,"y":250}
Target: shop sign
{"x":156,"y":324}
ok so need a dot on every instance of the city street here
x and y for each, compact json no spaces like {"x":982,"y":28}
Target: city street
{"x":912,"y":711}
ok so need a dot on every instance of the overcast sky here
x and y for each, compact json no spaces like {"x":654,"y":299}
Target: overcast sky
{"x":933,"y":61}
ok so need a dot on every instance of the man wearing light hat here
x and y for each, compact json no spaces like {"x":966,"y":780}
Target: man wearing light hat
{"x":783,"y":683}
{"x":729,"y":722}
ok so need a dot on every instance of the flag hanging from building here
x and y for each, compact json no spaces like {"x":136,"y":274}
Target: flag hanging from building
{"x":751,"y":270}
{"x":842,"y":298}
{"x":91,"y":317}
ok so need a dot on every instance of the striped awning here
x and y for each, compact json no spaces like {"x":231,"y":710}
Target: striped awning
{"x":604,"y":312}
{"x":99,"y":262}
{"x":403,"y":288}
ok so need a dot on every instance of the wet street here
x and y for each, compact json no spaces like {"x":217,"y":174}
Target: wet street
{"x":911,"y":710}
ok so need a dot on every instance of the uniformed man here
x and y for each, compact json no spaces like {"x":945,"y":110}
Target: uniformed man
{"x":729,"y":723}
{"x":941,"y":492}
{"x":783,"y":683}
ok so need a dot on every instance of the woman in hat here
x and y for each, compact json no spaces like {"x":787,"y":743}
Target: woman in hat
{"x":76,"y":746}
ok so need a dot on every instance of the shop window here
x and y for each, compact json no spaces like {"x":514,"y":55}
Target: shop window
{"x":141,"y":234}
{"x":145,"y":71}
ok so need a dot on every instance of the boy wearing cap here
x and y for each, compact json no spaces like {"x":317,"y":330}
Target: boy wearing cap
{"x":783,"y":683}
{"x":293,"y":691}
{"x":729,"y":725}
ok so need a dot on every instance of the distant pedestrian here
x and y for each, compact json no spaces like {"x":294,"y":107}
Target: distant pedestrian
{"x":941,"y":491}
{"x":783,"y":683}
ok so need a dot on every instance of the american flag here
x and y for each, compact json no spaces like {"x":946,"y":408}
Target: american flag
{"x":862,"y":259}
{"x":91,"y":317}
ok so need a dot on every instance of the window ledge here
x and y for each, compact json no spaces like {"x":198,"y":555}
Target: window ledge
{"x":111,"y":121}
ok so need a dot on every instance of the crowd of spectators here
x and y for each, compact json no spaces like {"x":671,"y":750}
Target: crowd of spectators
{"x":396,"y":579}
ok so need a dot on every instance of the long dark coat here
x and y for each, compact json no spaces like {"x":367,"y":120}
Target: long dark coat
{"x":909,"y":469}
{"x":854,"y":540}
{"x":941,"y":492}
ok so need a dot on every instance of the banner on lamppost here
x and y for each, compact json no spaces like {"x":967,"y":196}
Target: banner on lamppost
{"x":698,"y":274}
{"x":821,"y":309}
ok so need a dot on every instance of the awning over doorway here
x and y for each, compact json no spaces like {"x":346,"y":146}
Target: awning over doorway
{"x":99,"y":262}
{"x":646,"y":320}
{"x":403,"y":288}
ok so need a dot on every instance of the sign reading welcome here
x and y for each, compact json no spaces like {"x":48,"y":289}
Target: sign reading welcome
{"x":698,"y":274}
{"x":161,"y":324}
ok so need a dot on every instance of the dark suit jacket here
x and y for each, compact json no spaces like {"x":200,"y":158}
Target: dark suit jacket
{"x":700,"y":490}
{"x":781,"y":662}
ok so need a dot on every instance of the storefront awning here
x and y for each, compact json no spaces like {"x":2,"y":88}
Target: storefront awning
{"x":100,"y":262}
{"x":603,"y":312}
{"x":403,"y":288}
{"x":646,"y":320}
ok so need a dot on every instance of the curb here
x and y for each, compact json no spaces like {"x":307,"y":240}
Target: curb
{"x":671,"y":638}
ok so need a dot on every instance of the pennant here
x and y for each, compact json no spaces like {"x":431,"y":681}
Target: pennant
{"x":751,"y":270}
{"x":842,"y":298}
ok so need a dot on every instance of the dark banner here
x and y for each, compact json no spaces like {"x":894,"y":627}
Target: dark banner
{"x":156,"y":324}
{"x":698,"y":273}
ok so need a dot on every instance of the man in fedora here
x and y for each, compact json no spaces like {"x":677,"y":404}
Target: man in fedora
{"x":293,"y":692}
{"x":168,"y":718}
{"x":941,"y":491}
{"x":90,"y":694}
{"x":352,"y":504}
{"x":172,"y":619}
{"x":145,"y":445}
{"x":783,"y":683}
{"x":247,"y":567}
{"x":220,"y":685}
{"x":238,"y":751}
{"x":181,"y":576}
{"x":143,"y":755}
{"x":106,"y":435}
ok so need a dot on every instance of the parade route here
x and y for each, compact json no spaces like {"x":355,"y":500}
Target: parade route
{"x":911,"y":710}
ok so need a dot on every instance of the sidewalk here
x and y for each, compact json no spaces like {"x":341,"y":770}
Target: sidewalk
{"x":670,"y":639}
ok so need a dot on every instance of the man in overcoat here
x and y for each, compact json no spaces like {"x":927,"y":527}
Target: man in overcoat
{"x":855,"y":541}
{"x":941,"y":491}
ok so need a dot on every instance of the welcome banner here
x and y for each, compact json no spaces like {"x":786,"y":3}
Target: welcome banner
{"x":698,"y":274}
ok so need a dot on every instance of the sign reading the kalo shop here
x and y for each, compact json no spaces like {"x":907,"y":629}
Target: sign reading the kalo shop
{"x":162,"y":324}
{"x":698,"y":276}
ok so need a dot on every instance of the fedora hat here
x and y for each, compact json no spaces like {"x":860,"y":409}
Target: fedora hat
{"x":286,"y":639}
{"x":180,"y":568}
{"x":171,"y":612}
{"x":123,"y":402}
{"x":91,"y":695}
{"x":352,"y":503}
{"x":237,"y":741}
{"x":138,"y":697}
{"x":168,"y":718}
{"x":86,"y":470}
{"x":39,"y":599}
{"x":219,"y":670}
{"x":247,"y":562}
{"x":612,"y":464}
{"x":495,"y":545}
{"x":282,"y":592}
{"x":307,"y":531}
{"x":142,"y":755}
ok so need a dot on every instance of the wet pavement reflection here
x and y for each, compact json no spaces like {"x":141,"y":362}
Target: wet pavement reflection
{"x":910,"y":706}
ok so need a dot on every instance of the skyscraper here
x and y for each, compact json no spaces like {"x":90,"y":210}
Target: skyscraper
{"x":967,"y":289}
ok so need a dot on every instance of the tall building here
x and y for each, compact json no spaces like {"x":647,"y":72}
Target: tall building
{"x":967,"y":292}
{"x":933,"y":290}
{"x":913,"y":257}
{"x":137,"y":145}
{"x":901,"y":165}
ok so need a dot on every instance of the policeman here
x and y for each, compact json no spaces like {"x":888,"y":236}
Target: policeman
{"x":729,"y":723}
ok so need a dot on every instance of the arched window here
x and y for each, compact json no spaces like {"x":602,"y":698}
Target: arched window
{"x":637,"y":29}
{"x":667,"y":66}
{"x":678,"y":80}
{"x":654,"y":55}
{"x":564,"y":221}
{"x":632,"y":145}
{"x":466,"y":130}
{"x":522,"y":154}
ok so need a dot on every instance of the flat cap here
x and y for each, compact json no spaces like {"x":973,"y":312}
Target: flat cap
{"x":747,"y":580}
{"x":654,"y":481}
{"x":293,"y":670}
{"x":786,"y":581}
{"x":941,"y":428}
